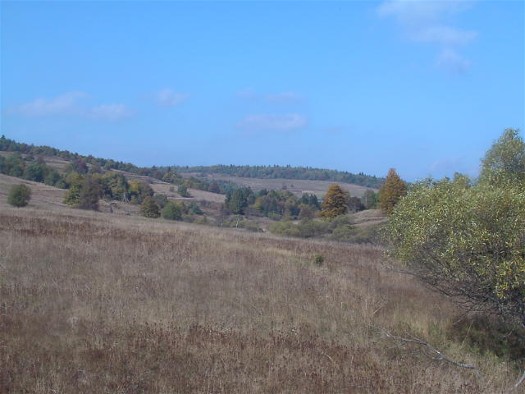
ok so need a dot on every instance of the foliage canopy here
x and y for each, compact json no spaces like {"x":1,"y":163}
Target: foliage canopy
{"x":468,"y":241}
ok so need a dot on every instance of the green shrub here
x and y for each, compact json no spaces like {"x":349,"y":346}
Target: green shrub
{"x":304,"y":229}
{"x":318,"y":259}
{"x":19,"y":196}
{"x":172,"y":211}
{"x":149,"y":208}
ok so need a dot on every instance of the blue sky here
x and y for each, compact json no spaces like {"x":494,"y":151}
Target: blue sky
{"x":421,"y":86}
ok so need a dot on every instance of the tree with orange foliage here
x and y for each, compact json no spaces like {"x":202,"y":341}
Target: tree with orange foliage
{"x":391,"y":192}
{"x":335,"y":202}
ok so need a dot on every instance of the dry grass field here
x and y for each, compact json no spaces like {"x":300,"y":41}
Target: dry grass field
{"x":98,"y":303}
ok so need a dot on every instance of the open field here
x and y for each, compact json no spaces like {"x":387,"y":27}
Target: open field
{"x":91,"y":302}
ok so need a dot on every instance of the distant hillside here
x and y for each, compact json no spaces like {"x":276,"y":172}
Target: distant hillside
{"x":295,"y":186}
{"x":9,"y":145}
{"x":287,"y":172}
{"x":60,"y":159}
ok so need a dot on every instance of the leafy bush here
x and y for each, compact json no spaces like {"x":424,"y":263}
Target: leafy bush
{"x":19,"y":196}
{"x":304,"y":229}
{"x":318,"y":259}
{"x":172,"y":211}
{"x":90,"y":193}
{"x":465,"y":241}
{"x":183,"y":191}
{"x":149,"y":208}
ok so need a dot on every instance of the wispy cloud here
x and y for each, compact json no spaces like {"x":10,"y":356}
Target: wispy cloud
{"x":283,"y":97}
{"x":429,"y":22}
{"x":170,"y":98}
{"x":417,"y":12}
{"x":66,"y":103}
{"x":445,"y":35}
{"x":276,"y":98}
{"x":452,"y":61}
{"x":71,"y":103}
{"x":111,"y":112}
{"x":279,"y":123}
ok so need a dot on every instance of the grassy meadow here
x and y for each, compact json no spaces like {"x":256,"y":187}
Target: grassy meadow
{"x":92,"y":302}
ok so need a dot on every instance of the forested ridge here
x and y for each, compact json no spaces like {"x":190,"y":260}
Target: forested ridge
{"x":168,"y":172}
{"x":287,"y":172}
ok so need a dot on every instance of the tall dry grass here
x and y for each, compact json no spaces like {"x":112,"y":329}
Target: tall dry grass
{"x":93,"y":303}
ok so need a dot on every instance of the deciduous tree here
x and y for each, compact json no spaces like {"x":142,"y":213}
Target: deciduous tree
{"x":391,"y":192}
{"x":335,"y":202}
{"x":504,"y":162}
{"x":468,"y":241}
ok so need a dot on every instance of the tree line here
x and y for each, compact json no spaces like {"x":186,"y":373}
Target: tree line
{"x":287,"y":172}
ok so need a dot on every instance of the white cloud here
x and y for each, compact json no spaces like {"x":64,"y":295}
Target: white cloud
{"x":66,"y":103}
{"x":111,"y":112}
{"x":169,"y":98}
{"x":71,"y":103}
{"x":429,"y":22}
{"x":288,"y":122}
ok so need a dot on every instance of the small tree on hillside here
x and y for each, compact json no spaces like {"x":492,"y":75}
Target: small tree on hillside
{"x":183,"y":191}
{"x":172,"y":211}
{"x":90,"y":192}
{"x":335,"y":202}
{"x":19,"y":196}
{"x":369,"y":199}
{"x":391,"y":192}
{"x":74,"y":181}
{"x":149,"y":208}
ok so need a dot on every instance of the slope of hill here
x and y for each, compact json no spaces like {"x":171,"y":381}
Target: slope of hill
{"x":312,"y":180}
{"x":99,"y":303}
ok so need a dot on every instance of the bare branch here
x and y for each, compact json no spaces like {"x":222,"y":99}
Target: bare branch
{"x":439,"y":355}
{"x":520,"y":380}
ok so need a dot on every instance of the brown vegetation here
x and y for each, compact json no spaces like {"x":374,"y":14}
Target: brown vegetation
{"x":94,"y":303}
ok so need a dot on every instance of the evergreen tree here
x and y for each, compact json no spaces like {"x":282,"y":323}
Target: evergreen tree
{"x":391,"y":192}
{"x":238,"y":200}
{"x":335,"y":202}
